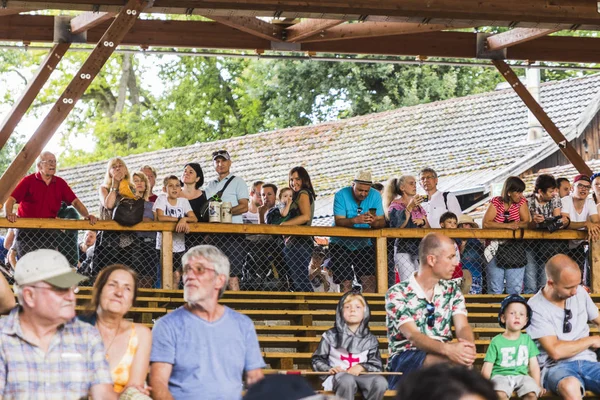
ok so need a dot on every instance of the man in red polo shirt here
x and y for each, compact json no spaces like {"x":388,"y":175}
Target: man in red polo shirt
{"x":40,"y":196}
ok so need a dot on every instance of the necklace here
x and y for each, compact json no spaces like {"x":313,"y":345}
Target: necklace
{"x":113,"y":339}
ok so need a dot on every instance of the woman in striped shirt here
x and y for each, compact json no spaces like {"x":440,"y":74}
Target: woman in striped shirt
{"x":509,"y":211}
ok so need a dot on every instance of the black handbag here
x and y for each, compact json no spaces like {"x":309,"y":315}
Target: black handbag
{"x":129,"y":212}
{"x":511,"y":254}
{"x":217,"y":197}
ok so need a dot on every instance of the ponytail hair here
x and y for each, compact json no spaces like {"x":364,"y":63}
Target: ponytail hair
{"x":391,"y":190}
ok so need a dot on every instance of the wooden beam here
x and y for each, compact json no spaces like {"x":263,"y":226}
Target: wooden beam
{"x":65,"y":103}
{"x":310,"y":27}
{"x":515,"y":36}
{"x":253,"y":26}
{"x":567,"y":149}
{"x":375,"y":29}
{"x":212,"y":35}
{"x":88,"y":20}
{"x":35,"y":85}
{"x":574,"y":12}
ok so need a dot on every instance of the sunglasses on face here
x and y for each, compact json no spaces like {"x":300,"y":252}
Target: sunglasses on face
{"x":567,"y":327}
{"x":430,"y":314}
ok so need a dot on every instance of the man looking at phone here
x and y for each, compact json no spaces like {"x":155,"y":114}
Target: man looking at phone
{"x":436,"y":202}
{"x":356,"y":206}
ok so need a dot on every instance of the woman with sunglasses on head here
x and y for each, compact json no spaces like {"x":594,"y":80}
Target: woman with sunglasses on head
{"x":508,"y":211}
{"x":298,"y":249}
{"x":127,"y":344}
{"x":402,"y":206}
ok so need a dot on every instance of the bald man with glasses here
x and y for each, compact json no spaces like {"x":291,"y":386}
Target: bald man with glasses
{"x":562,"y":310}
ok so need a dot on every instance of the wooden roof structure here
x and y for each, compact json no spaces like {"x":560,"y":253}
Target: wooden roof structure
{"x":383,"y":27}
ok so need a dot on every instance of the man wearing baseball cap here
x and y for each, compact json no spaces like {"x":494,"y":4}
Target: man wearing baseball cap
{"x":236,"y":193}
{"x":47,"y":353}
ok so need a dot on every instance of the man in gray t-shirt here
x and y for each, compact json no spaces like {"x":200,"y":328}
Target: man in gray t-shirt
{"x":559,"y":326}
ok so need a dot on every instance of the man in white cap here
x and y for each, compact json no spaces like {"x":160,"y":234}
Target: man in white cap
{"x":356,"y":206}
{"x":46,"y":352}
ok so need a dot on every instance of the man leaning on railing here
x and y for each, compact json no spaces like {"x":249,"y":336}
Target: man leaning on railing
{"x":39,"y":196}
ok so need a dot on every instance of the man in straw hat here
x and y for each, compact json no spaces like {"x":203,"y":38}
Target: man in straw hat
{"x":356,"y":206}
{"x":46,"y":352}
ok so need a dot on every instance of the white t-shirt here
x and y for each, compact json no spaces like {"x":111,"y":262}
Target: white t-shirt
{"x":435,"y":207}
{"x":179,"y":210}
{"x":250,"y":218}
{"x":589,"y":208}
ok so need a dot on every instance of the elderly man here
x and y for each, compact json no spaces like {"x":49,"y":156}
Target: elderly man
{"x":422,"y":310}
{"x":46,"y":352}
{"x":437,"y":202}
{"x":203,"y":348}
{"x":40,"y":195}
{"x":559,"y":325}
{"x":356,"y":206}
{"x":235,"y":191}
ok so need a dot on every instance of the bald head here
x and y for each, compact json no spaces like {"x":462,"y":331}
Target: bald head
{"x":432,"y":244}
{"x":559,"y":263}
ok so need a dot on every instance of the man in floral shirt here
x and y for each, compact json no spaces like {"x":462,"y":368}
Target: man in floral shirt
{"x":422,"y":309}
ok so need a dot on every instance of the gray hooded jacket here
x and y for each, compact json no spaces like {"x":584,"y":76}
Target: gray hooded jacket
{"x":340,"y":336}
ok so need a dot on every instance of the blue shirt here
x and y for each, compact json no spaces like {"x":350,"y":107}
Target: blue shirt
{"x":235,"y":191}
{"x":208,"y":358}
{"x":345,"y":205}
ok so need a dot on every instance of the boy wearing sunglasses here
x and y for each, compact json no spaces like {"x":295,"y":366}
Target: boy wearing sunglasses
{"x":559,"y":325}
{"x":511,"y":358}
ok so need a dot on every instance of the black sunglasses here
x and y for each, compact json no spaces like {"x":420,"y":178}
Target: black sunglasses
{"x":567,"y":327}
{"x":430,"y":314}
{"x":359,"y":210}
{"x":219,"y":152}
{"x":506,"y":216}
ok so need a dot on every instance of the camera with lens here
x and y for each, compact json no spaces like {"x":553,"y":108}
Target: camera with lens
{"x":552,"y":224}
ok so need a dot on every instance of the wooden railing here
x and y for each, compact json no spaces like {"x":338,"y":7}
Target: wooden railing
{"x":379,"y":236}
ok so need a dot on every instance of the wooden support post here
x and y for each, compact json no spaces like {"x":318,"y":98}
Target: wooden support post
{"x":65,"y":103}
{"x":595,"y":267}
{"x":381,"y":256}
{"x":567,"y":149}
{"x":167,"y":260}
{"x":35,"y":85}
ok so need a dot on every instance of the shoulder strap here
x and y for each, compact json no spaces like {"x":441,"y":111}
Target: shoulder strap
{"x":220,"y":192}
{"x":445,"y":194}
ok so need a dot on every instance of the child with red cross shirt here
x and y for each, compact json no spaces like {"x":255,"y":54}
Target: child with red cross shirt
{"x":348,"y":349}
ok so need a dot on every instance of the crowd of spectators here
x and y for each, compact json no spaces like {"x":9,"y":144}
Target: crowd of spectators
{"x":288,"y":262}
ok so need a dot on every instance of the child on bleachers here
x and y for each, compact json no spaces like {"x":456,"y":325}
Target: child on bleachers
{"x":280,"y":213}
{"x":471,"y":255}
{"x":448,"y":220}
{"x":511,"y":360}
{"x":172,"y":208}
{"x":348,"y":349}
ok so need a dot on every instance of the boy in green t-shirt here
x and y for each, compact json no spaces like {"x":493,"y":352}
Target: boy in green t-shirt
{"x":511,"y":359}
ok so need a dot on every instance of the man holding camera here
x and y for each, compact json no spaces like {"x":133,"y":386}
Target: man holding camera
{"x":545,"y":209}
{"x":356,"y":206}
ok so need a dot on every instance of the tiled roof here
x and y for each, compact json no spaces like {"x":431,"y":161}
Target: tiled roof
{"x":471,"y":141}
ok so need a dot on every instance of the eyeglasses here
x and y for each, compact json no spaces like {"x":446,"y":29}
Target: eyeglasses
{"x":51,"y":162}
{"x":58,"y":290}
{"x":219,"y":153}
{"x":430,"y":314}
{"x":197,"y":270}
{"x":584,"y":187}
{"x":567,"y":327}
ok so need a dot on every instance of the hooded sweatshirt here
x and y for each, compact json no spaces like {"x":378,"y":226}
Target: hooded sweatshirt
{"x":340,"y":346}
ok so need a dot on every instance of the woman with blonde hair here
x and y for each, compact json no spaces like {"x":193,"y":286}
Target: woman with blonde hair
{"x":402,"y":206}
{"x":114,"y":247}
{"x":127,"y":344}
